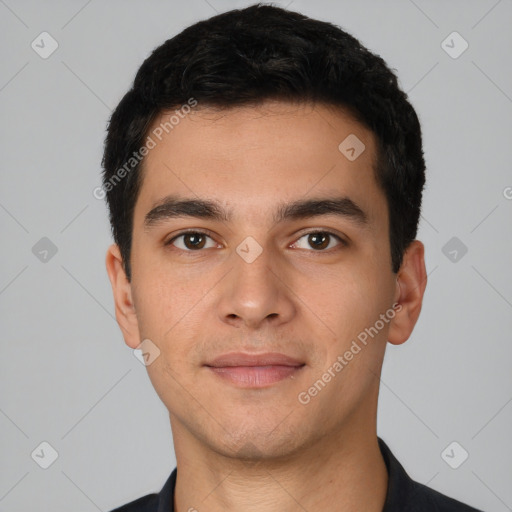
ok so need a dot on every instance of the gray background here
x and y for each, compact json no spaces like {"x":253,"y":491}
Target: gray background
{"x":66,"y":376}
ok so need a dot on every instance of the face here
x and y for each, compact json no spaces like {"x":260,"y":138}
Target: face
{"x":254,"y":234}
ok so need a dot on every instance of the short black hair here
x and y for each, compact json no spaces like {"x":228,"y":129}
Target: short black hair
{"x":263,"y":52}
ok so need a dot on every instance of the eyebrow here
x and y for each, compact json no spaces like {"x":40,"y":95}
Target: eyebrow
{"x":171,"y":207}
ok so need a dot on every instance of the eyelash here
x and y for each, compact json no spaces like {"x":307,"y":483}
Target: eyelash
{"x":341,"y":241}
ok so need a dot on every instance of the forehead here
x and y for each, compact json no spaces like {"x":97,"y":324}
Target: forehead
{"x":246,"y":156}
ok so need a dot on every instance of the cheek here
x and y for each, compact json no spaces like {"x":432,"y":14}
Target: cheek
{"x":171,"y":307}
{"x":347,"y":307}
{"x":159,"y":307}
{"x":343,"y":297}
{"x":163,"y":292}
{"x":168,"y":316}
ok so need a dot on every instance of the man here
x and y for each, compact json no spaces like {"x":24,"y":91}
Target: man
{"x":264,"y":177}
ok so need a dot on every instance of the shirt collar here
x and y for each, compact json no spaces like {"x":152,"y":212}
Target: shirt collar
{"x":166,"y":495}
{"x":400,"y":485}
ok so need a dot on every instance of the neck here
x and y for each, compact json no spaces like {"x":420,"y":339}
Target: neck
{"x":347,"y":470}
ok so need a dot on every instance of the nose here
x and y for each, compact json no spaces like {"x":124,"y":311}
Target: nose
{"x":258,"y":292}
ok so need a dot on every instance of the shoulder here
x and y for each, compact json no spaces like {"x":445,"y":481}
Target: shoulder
{"x":406,"y":494}
{"x":148,"y":503}
{"x":164,"y":500}
{"x":425,"y":498}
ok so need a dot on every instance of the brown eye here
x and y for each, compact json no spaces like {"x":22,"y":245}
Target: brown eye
{"x":191,"y":241}
{"x":194,"y":240}
{"x":318,"y":240}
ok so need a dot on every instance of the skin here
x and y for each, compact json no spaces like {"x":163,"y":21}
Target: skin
{"x":261,"y":449}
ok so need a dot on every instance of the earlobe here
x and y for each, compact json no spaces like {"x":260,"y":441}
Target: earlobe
{"x":411,"y":284}
{"x":122,"y":291}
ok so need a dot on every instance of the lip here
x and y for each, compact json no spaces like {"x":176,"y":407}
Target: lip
{"x":254,"y":370}
{"x":244,"y":359}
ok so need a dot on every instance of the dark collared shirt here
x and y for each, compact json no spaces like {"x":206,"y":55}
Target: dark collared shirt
{"x":403,"y":494}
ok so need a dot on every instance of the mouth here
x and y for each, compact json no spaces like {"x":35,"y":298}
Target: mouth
{"x":254,"y":370}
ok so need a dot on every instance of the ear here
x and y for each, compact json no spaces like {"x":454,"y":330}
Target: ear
{"x":411,"y":283}
{"x":122,"y":290}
